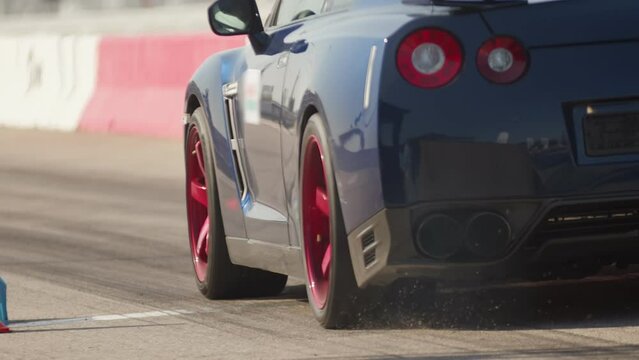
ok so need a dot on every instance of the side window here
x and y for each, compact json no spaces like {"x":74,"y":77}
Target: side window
{"x":265,"y":9}
{"x":336,"y":5}
{"x":292,"y":10}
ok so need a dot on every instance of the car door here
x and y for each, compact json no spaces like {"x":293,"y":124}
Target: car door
{"x":259,"y":99}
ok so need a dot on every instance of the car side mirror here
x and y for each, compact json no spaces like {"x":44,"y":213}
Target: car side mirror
{"x":235,"y":17}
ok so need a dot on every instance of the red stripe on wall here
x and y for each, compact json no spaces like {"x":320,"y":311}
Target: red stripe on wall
{"x":142,"y":82}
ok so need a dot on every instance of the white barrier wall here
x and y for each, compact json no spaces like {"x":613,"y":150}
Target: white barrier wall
{"x":46,"y":80}
{"x":49,"y":65}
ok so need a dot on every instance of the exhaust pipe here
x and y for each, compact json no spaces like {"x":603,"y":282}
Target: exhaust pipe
{"x":487,"y":235}
{"x":440,"y":236}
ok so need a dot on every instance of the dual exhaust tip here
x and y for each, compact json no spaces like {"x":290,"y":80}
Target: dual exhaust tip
{"x":485,"y":236}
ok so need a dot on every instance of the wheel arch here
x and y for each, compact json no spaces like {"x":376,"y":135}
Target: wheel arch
{"x":312,"y":105}
{"x":306,"y":115}
{"x":192,"y":103}
{"x":341,"y":118}
{"x":205,"y":91}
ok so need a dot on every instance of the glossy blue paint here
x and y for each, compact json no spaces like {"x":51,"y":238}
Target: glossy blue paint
{"x":476,"y":140}
{"x":470,"y":140}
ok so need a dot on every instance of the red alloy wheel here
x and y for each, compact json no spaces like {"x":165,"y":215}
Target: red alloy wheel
{"x":317,"y":226}
{"x":197,"y":204}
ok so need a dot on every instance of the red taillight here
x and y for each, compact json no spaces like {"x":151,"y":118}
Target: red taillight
{"x":502,"y":60}
{"x":429,"y":58}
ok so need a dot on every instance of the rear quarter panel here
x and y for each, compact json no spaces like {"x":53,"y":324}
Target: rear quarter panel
{"x":330,"y":77}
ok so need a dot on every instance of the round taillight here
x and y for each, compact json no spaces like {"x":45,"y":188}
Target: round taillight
{"x":502,"y":60}
{"x":429,"y":58}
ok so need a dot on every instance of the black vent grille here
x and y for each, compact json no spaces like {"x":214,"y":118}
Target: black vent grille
{"x":587,"y":220}
{"x":235,"y":146}
{"x":368,"y":240}
{"x":369,"y":257}
{"x":369,"y":248}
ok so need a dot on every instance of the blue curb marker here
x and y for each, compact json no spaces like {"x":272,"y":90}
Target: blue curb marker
{"x":4,"y":317}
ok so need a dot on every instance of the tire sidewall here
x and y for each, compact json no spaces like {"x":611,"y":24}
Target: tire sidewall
{"x":340,"y":287}
{"x":198,"y":120}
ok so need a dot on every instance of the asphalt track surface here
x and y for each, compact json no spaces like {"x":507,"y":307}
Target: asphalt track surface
{"x":93,"y":248}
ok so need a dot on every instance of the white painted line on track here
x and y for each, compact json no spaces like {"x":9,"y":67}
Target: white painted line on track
{"x":114,"y":317}
{"x":47,"y":323}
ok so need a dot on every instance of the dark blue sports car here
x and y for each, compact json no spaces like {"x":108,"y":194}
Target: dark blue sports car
{"x":353,"y":143}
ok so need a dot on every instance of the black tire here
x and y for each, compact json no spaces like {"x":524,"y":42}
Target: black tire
{"x":344,"y":302}
{"x":224,"y":280}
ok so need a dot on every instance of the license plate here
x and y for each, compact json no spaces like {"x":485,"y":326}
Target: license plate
{"x":611,"y":134}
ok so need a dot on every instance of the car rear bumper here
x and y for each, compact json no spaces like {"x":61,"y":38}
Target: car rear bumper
{"x":514,"y":155}
{"x":542,"y":234}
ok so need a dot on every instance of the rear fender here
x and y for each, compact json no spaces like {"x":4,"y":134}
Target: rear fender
{"x":330,"y":77}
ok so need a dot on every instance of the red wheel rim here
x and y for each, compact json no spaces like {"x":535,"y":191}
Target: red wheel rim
{"x":316,"y":220}
{"x":197,"y":204}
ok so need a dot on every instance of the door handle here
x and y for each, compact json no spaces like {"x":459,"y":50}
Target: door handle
{"x":282,"y":61}
{"x":299,"y":46}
